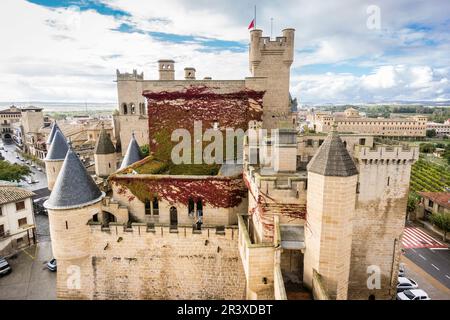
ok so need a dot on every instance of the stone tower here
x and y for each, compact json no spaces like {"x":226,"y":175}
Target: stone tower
{"x":272,"y":59}
{"x":331,"y":196}
{"x":74,"y":200}
{"x":166,"y":69}
{"x":104,"y":155}
{"x":132,"y":109}
{"x":55,"y":156}
{"x":133,"y":153}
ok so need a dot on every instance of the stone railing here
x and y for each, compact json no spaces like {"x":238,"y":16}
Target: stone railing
{"x":319,"y":292}
{"x":278,"y":282}
{"x":258,"y":263}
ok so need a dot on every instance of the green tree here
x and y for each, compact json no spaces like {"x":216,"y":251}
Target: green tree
{"x":413,"y":201}
{"x":427,"y":147}
{"x":145,"y":150}
{"x":13,"y":172}
{"x":431,"y":133}
{"x":442,"y":221}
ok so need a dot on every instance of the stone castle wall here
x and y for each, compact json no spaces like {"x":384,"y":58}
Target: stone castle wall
{"x":379,"y":219}
{"x":137,"y":263}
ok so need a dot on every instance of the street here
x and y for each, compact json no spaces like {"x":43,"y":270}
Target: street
{"x":10,"y":156}
{"x":430,"y":257}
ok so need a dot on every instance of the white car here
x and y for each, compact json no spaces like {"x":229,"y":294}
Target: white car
{"x":405,"y":284}
{"x":414,"y":294}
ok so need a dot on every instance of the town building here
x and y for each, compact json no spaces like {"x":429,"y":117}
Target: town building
{"x":8,"y":117}
{"x":433,"y":202}
{"x":442,"y":129}
{"x":17,"y":226}
{"x":295,"y":214}
{"x":352,"y":121}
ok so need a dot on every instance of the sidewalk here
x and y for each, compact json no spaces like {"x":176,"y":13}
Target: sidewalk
{"x":435,"y":289}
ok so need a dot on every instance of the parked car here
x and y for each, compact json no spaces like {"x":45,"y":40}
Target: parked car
{"x":401,"y":269}
{"x":51,"y":265}
{"x":33,"y":165}
{"x":414,"y":294}
{"x":32,"y":180}
{"x":5,"y":268}
{"x":27,"y":162}
{"x":405,"y":284}
{"x":39,"y":169}
{"x":17,"y":157}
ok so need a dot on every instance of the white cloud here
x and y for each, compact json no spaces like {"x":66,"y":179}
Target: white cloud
{"x":66,"y":54}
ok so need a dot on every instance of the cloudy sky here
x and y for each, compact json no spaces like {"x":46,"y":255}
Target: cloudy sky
{"x":69,"y":50}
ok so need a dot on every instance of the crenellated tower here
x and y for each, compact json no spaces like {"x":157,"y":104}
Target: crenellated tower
{"x":271,"y":60}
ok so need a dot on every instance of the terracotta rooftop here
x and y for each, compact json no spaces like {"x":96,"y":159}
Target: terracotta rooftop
{"x":12,"y":194}
{"x":441,"y":198}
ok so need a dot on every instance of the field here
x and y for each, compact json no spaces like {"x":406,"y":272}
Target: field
{"x":427,"y":176}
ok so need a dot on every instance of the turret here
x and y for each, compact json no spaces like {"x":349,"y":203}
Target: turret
{"x":104,"y":155}
{"x":55,"y":156}
{"x":133,"y":153}
{"x":52,"y":134}
{"x":166,"y":69}
{"x":331,"y":197}
{"x":74,"y":200}
{"x":272,"y":59}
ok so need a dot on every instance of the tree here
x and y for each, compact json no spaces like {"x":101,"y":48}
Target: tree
{"x":145,"y":150}
{"x":13,"y":172}
{"x":427,"y":148}
{"x":431,"y":133}
{"x":442,"y":221}
{"x":413,"y":201}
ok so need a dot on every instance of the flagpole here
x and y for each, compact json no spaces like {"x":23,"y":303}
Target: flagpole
{"x":254,"y":25}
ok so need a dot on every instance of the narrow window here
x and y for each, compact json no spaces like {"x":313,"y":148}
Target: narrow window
{"x":109,"y":165}
{"x":389,"y":179}
{"x":67,"y":226}
{"x":147,"y":207}
{"x":191,"y":207}
{"x":155,"y":206}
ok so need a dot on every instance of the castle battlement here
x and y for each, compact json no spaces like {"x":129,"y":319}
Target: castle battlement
{"x":386,"y":153}
{"x":129,"y":76}
{"x":164,"y":230}
{"x":287,"y":184}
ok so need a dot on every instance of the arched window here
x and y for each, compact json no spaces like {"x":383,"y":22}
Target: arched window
{"x":147,"y":207}
{"x":132,"y":108}
{"x":200,"y":209}
{"x":124,"y":108}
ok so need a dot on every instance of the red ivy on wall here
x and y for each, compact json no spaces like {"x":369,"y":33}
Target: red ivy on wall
{"x":170,"y":110}
{"x":216,"y":192}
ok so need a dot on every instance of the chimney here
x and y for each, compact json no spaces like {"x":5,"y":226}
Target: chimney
{"x":189,"y":73}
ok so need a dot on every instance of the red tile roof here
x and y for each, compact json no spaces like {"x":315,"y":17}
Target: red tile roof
{"x":441,"y":198}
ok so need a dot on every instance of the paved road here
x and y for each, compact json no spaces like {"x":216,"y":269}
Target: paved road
{"x":37,"y":175}
{"x":30,"y":278}
{"x":435,"y":261}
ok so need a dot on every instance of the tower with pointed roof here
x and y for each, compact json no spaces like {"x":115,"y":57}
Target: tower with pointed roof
{"x":331,"y":197}
{"x":74,"y":200}
{"x":104,"y":155}
{"x":133,"y":153}
{"x":55,"y":156}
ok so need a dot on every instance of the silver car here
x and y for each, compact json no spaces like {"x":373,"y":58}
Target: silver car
{"x":5,"y":268}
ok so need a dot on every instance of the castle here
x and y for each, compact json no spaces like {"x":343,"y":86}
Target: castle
{"x":293,"y":213}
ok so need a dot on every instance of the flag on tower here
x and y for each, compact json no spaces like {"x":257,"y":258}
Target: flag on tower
{"x":251,"y":25}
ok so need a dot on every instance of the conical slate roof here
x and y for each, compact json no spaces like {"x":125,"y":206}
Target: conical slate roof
{"x":133,"y":153}
{"x":52,"y":133}
{"x":74,"y":188}
{"x":58,"y":147}
{"x":333,"y":159}
{"x":104,"y":144}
